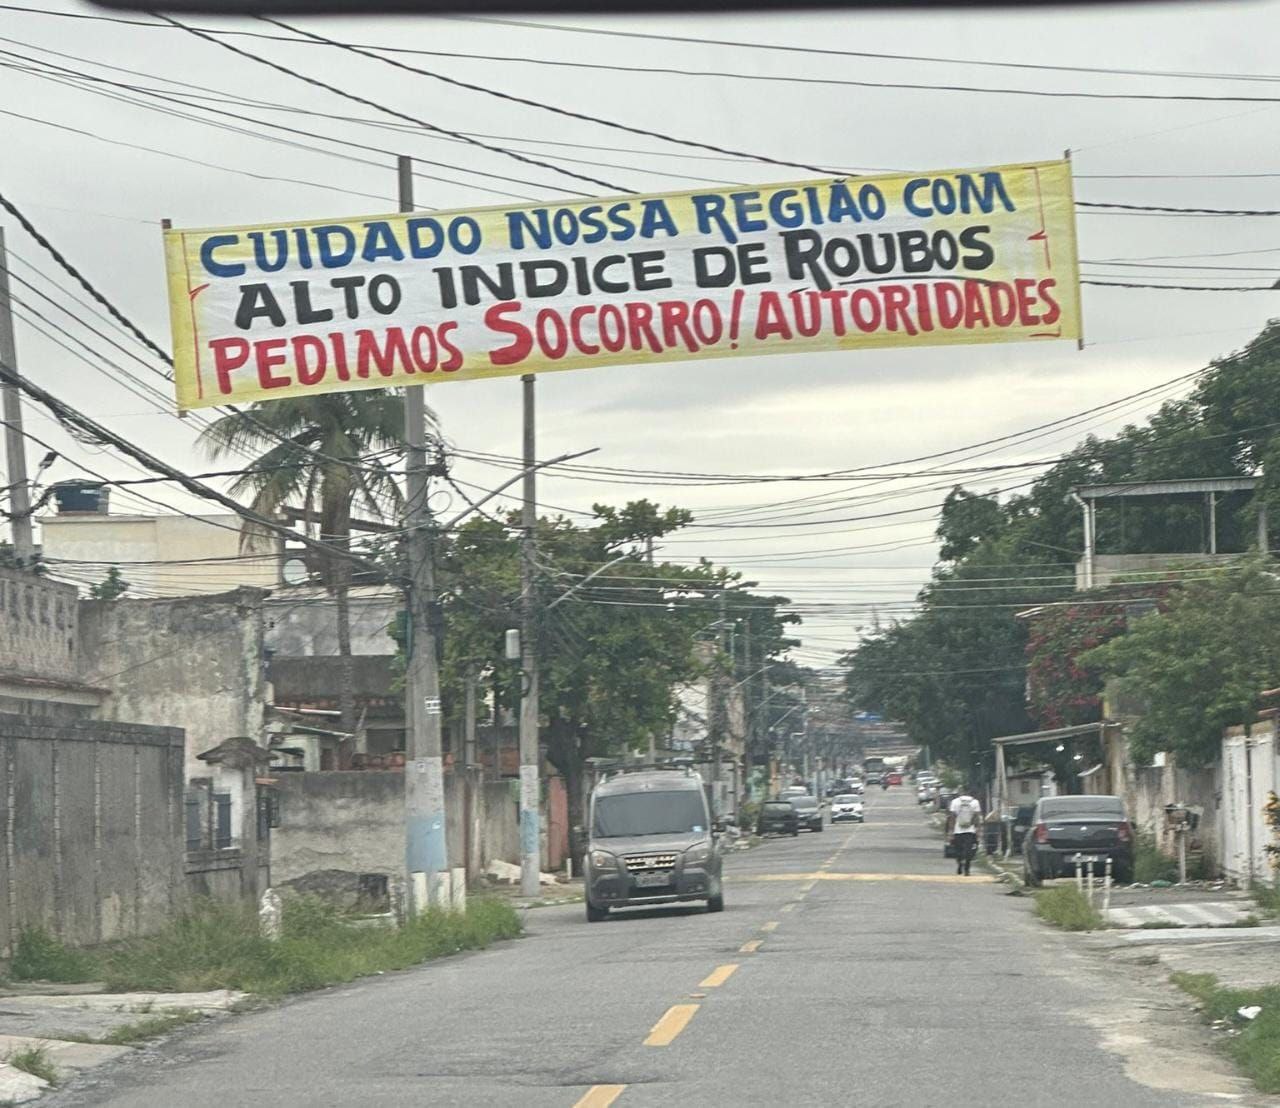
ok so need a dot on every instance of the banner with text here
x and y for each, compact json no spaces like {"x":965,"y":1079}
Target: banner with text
{"x":956,"y":256}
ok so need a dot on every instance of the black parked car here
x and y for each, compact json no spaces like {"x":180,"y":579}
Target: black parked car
{"x":808,"y":811}
{"x":1021,"y":825}
{"x":1070,"y":829}
{"x":777,"y":817}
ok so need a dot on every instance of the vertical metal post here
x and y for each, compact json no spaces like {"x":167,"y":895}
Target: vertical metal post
{"x":15,"y":446}
{"x":530,"y":787}
{"x":1182,"y":854}
{"x":1212,"y":498}
{"x":426,"y":848}
{"x":1262,"y":527}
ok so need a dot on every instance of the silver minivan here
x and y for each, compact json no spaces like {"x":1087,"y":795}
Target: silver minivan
{"x":651,"y":840}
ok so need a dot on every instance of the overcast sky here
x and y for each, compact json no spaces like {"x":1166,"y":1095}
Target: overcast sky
{"x":101,"y":202}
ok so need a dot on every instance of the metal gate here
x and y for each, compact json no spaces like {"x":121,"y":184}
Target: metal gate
{"x":1249,"y":775}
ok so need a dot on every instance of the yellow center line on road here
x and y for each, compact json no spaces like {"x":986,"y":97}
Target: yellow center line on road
{"x":750,"y":947}
{"x":788,"y":907}
{"x":600,"y":1096}
{"x":666,"y":1029}
{"x":718,"y":976}
{"x":938,"y":878}
{"x":772,"y":925}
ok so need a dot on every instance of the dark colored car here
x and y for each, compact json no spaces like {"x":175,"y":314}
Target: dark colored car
{"x":1066,"y":830}
{"x":1021,"y":825}
{"x":777,"y":817}
{"x":808,"y":811}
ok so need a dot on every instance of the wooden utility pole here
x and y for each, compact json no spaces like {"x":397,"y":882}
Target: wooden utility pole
{"x":15,"y":445}
{"x":426,"y":847}
{"x":530,"y":786}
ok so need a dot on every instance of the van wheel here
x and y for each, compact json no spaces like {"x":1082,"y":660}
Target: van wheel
{"x":715,"y":903}
{"x":594,"y":914}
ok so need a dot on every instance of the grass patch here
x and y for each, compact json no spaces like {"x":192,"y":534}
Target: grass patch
{"x":151,"y":1027}
{"x":1267,"y":898}
{"x":1067,"y":907}
{"x":1148,"y":863}
{"x":1158,"y":925}
{"x":38,"y":956}
{"x":1246,"y":921}
{"x":1256,"y":1049}
{"x":218,"y":946}
{"x":35,"y":1061}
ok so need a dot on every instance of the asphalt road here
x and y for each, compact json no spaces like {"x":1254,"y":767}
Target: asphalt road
{"x":849,"y":967}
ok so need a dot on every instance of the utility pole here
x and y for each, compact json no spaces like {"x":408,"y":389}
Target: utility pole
{"x":530,"y":787}
{"x":426,"y":848}
{"x":720,"y":719}
{"x":15,"y":447}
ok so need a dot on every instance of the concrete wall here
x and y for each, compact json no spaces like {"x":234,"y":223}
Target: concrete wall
{"x":37,"y":626}
{"x":354,"y":821}
{"x":1109,"y":568}
{"x":302,"y":622}
{"x":194,"y":663}
{"x":209,"y":545}
{"x":91,"y":823}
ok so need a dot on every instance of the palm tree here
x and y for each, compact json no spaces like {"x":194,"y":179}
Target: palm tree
{"x":324,"y":452}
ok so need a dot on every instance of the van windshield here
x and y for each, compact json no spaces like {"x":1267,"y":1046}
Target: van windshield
{"x":649,"y":813}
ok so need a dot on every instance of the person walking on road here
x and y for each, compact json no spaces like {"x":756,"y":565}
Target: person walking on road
{"x":965,"y":820}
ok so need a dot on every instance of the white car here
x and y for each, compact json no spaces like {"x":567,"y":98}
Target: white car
{"x":846,"y":807}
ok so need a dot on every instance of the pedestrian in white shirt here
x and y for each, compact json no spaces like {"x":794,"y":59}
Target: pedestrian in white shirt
{"x":965,"y":821}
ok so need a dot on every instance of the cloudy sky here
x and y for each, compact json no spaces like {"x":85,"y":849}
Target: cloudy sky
{"x":109,"y":127}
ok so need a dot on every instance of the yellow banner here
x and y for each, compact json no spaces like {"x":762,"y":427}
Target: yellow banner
{"x":954,"y":256}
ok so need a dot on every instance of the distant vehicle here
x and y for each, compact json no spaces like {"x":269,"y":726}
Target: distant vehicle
{"x":808,"y":811}
{"x":777,"y":817}
{"x":854,"y":786}
{"x":874,"y":777}
{"x":1066,"y":830}
{"x":847,"y":807}
{"x":923,"y":795}
{"x":894,"y":778}
{"x":1021,"y":825}
{"x":651,"y":841}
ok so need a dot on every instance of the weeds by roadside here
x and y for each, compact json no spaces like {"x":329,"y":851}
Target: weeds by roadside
{"x":1255,"y":1044}
{"x":218,"y":946}
{"x":1067,"y":907}
{"x":35,"y":1061}
{"x":151,"y":1027}
{"x":1267,"y":897}
{"x":38,"y":956}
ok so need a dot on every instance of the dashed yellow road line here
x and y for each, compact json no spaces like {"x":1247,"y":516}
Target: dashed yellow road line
{"x":600,"y":1096}
{"x":772,"y":925}
{"x":788,"y":907}
{"x":718,"y":976}
{"x":750,"y":947}
{"x":666,"y":1029}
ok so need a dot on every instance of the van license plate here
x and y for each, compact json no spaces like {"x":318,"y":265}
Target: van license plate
{"x":649,"y":880}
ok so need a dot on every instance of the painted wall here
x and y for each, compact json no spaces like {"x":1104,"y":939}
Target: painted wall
{"x":302,"y":622}
{"x":193,"y":662}
{"x":210,"y":545}
{"x":90,"y":821}
{"x":37,"y":626}
{"x":354,"y":822}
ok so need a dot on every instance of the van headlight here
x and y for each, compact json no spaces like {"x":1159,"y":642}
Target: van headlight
{"x":602,"y":859}
{"x":696,"y":854}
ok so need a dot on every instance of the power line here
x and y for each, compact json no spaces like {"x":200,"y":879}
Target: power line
{"x":317,"y":83}
{"x":581,"y":116}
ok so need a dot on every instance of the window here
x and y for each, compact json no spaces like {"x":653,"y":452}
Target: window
{"x":222,"y":837}
{"x":195,"y":821}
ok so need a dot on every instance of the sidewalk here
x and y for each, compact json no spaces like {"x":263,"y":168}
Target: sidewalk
{"x":78,"y":1027}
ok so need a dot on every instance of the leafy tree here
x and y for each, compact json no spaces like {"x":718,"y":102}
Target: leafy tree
{"x":110,"y":587}
{"x":967,"y":520}
{"x":1202,"y":664}
{"x":321,"y":453}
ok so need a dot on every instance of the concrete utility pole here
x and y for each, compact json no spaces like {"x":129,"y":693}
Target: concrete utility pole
{"x":426,"y":848}
{"x":15,"y":445}
{"x":530,"y":787}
